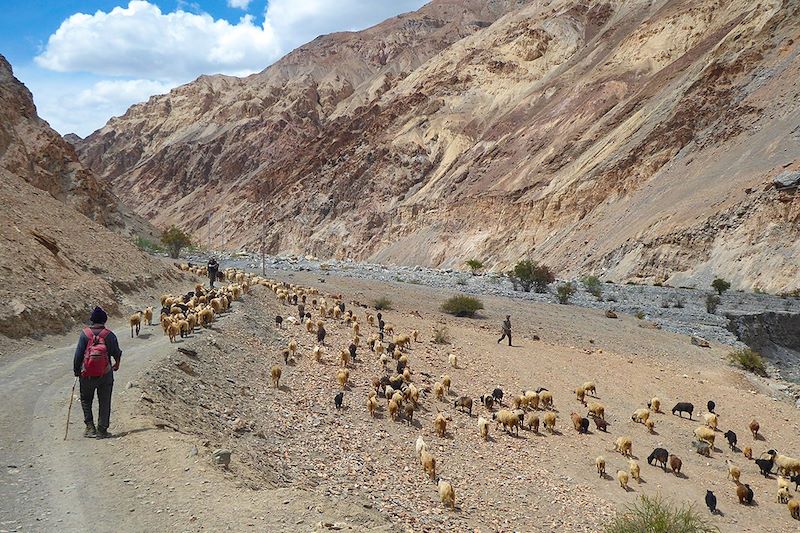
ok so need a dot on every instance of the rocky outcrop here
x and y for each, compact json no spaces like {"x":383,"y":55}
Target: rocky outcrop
{"x":633,"y":140}
{"x":58,"y":257}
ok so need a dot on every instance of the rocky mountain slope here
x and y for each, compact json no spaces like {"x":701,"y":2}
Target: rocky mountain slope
{"x":57,"y":257}
{"x":655,"y":140}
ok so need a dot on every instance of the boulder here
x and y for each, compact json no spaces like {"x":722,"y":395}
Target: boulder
{"x":611,"y":314}
{"x":221,"y":456}
{"x":699,"y":341}
{"x":787,"y":179}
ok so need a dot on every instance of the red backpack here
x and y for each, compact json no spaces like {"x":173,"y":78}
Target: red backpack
{"x":95,"y":358}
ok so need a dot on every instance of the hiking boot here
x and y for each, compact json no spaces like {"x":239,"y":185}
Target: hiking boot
{"x":90,"y":432}
{"x":102,"y":433}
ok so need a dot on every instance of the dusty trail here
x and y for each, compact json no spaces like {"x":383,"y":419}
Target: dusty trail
{"x":51,"y":483}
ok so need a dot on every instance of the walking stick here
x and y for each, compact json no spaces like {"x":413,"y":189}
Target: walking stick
{"x":69,"y":409}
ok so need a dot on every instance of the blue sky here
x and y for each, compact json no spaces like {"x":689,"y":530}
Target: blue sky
{"x":86,"y":61}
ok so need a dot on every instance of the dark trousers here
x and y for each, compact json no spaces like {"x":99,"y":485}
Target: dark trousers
{"x":211,"y":281}
{"x":103,"y":385}
{"x":505,"y":334}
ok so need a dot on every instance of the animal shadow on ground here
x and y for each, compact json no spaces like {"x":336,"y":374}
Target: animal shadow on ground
{"x":417,"y":424}
{"x":131,"y":432}
{"x":145,"y":335}
{"x":285,"y":388}
{"x":607,"y":476}
{"x":629,"y":489}
{"x":761,"y":437}
{"x":718,"y":512}
{"x":681,"y":475}
{"x":557,"y":432}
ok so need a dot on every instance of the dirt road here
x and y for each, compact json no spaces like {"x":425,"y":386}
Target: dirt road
{"x":50,"y":483}
{"x":143,"y":479}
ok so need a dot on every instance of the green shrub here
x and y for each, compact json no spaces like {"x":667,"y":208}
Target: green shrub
{"x":530,"y":275}
{"x":564,"y":292}
{"x":462,"y":305}
{"x":147,"y":245}
{"x":654,"y":515}
{"x":720,"y":285}
{"x":640,"y":315}
{"x":712,"y":302}
{"x":382,"y":304}
{"x":593,"y":286}
{"x":749,"y":360}
{"x":461,"y":281}
{"x":758,"y":290}
{"x":175,"y":240}
{"x":474,"y":265}
{"x":441,"y":335}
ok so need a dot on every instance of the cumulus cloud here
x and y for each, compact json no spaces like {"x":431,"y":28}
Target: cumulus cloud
{"x":298,"y":21}
{"x":146,"y":51}
{"x":239,"y":4}
{"x":83,"y":106}
{"x":141,"y":41}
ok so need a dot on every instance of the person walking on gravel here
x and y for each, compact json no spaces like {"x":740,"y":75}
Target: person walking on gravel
{"x":92,"y":365}
{"x":506,"y":328}
{"x":213,"y":270}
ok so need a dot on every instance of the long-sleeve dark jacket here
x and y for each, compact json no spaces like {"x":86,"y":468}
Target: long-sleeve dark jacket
{"x":111,"y":343}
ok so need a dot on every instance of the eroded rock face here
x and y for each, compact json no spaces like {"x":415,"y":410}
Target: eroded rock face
{"x":31,"y":150}
{"x":58,"y":255}
{"x":636,"y":139}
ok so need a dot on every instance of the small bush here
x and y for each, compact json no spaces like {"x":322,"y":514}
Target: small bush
{"x":654,"y":515}
{"x":530,"y":275}
{"x":720,"y":285}
{"x":593,"y":286}
{"x":564,"y":292}
{"x":474,"y":265}
{"x":175,"y":240}
{"x":759,"y":290}
{"x":382,"y":304}
{"x":147,"y":245}
{"x":461,"y":281}
{"x":462,"y":305}
{"x":712,"y":302}
{"x":640,"y":315}
{"x":611,"y":298}
{"x":749,"y":360}
{"x":679,"y":301}
{"x":658,"y":284}
{"x":665,"y":302}
{"x":441,"y":335}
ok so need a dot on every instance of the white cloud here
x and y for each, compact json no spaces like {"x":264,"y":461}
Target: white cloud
{"x":298,"y":21}
{"x":239,"y":4}
{"x":84,"y":106}
{"x":141,"y":41}
{"x":154,"y":51}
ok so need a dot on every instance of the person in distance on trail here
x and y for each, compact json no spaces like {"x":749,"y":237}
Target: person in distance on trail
{"x":92,"y":365}
{"x":213,"y":270}
{"x":506,"y":327}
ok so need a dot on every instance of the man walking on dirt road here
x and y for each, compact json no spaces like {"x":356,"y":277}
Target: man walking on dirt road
{"x":92,"y":364}
{"x":506,"y":330}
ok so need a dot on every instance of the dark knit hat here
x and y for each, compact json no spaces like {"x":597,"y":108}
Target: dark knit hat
{"x":98,"y":316}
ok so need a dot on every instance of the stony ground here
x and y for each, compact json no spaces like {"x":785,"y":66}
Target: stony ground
{"x":299,"y":464}
{"x":293,"y":436}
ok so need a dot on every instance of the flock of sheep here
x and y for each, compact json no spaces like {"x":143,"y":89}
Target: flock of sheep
{"x":403,"y":396}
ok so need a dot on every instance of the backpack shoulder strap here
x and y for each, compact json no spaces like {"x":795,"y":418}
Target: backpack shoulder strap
{"x":104,"y":333}
{"x":89,"y":334}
